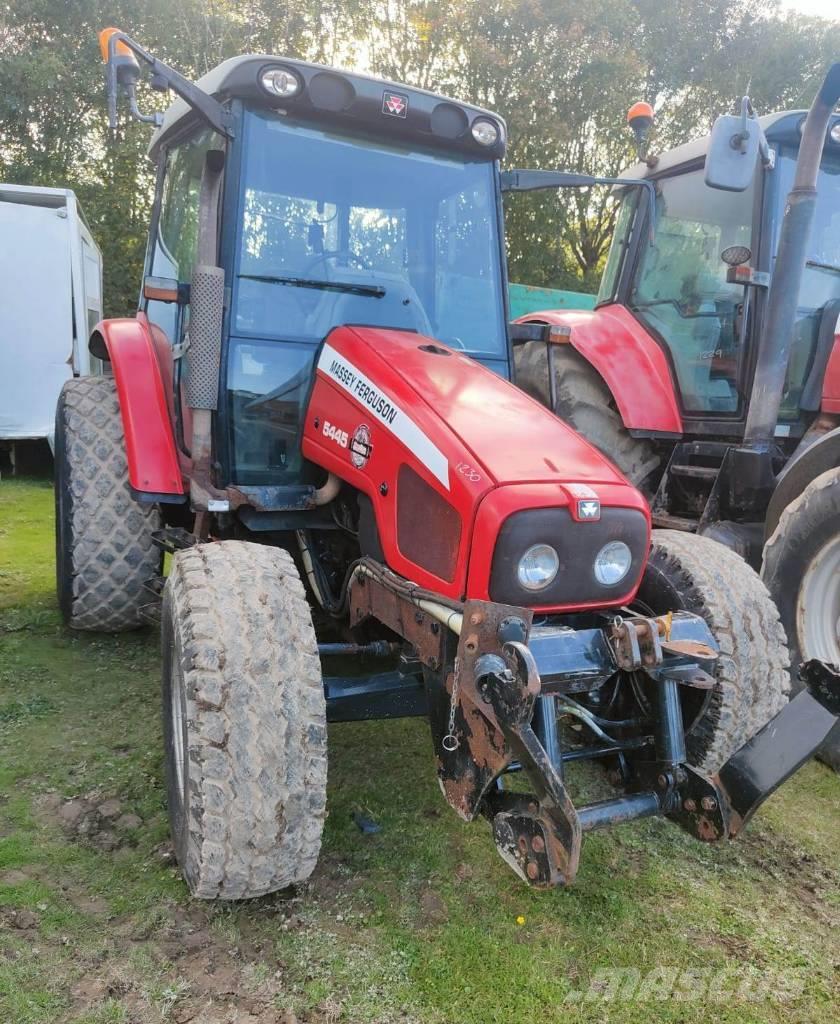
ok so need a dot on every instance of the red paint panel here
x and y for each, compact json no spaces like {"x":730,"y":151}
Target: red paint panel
{"x":149,"y":440}
{"x":466,"y":431}
{"x":632,"y":364}
{"x":501,"y":503}
{"x":831,"y":381}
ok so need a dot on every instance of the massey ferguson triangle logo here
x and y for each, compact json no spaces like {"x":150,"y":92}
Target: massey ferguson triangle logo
{"x":589,"y":509}
{"x":394,"y":104}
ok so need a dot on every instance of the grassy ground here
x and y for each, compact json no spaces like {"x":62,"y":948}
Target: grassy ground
{"x":420,"y":922}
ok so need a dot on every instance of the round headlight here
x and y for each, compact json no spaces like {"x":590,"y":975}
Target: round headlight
{"x":612,"y":563}
{"x":280,"y":82}
{"x":485,"y":133}
{"x":538,"y":567}
{"x":834,"y":134}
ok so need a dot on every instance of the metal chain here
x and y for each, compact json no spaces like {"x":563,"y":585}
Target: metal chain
{"x":450,"y":740}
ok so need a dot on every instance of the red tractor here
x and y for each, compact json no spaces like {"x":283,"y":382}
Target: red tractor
{"x":709,"y":370}
{"x":312,"y":413}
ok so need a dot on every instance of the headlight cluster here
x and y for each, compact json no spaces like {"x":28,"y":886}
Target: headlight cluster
{"x":540,"y":564}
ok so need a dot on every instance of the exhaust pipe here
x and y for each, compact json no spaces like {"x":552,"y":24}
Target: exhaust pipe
{"x":771,"y":368}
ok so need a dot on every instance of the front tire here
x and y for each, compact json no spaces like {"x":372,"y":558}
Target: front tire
{"x":690,"y":573}
{"x":585,"y":403}
{"x":244,"y":721}
{"x":103,"y":537}
{"x":801,"y":567}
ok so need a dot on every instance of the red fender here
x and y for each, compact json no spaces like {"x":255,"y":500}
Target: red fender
{"x":831,"y":380}
{"x":153,"y":463}
{"x":633,"y":366}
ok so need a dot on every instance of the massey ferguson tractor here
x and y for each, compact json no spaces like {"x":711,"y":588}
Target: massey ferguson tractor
{"x":709,"y":370}
{"x":312,"y":413}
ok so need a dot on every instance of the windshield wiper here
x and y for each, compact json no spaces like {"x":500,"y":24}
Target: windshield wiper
{"x":822,"y":266}
{"x":376,"y":291}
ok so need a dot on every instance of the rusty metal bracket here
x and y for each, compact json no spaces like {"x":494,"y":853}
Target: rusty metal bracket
{"x":370,"y":598}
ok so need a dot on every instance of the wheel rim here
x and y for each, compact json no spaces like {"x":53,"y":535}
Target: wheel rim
{"x":818,"y":605}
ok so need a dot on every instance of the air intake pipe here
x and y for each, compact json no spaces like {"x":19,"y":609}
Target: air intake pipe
{"x":780,"y":316}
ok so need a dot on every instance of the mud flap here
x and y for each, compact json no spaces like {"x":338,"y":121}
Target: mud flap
{"x":720,"y":806}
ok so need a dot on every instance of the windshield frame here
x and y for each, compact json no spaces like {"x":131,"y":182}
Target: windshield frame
{"x":499,"y":353}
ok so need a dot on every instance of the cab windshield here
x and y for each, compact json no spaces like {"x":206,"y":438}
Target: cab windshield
{"x":679,"y":288}
{"x":338,"y":230}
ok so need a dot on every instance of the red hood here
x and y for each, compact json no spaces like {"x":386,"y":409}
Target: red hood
{"x":516,"y":439}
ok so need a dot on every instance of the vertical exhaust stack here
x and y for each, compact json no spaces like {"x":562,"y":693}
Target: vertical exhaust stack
{"x":207,"y":297}
{"x":774,"y":351}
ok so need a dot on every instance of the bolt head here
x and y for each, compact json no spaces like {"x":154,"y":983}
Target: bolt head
{"x":662,"y":782}
{"x":538,"y":844}
{"x":690,"y":805}
{"x":533,"y":870}
{"x":708,"y":803}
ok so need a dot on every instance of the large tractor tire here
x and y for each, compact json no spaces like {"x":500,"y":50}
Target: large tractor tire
{"x":693,"y":574}
{"x":801,"y":567}
{"x":103,"y":537}
{"x":244,"y":721}
{"x":584,"y":402}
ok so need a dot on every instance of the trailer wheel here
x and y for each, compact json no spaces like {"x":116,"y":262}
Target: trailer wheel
{"x":584,"y":402}
{"x":103,"y":537}
{"x":694,"y":574}
{"x":244,"y":721}
{"x":801,"y":567}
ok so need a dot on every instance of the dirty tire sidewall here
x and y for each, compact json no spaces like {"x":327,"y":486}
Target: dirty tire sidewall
{"x":584,"y":402}
{"x":804,"y":529}
{"x":239,"y":644}
{"x":104,"y":547}
{"x":695,"y":574}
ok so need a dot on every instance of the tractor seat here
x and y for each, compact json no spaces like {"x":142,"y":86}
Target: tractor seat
{"x":400,"y":307}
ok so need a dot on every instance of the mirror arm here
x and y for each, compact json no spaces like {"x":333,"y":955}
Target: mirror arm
{"x":531,"y":181}
{"x":739,"y":139}
{"x":164,"y":77}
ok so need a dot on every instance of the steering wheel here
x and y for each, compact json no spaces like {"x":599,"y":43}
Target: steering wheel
{"x":324,"y":257}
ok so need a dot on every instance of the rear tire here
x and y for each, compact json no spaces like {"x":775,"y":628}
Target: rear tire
{"x":801,"y":567}
{"x":103,"y":537}
{"x":244,"y":721}
{"x":693,"y":574}
{"x":584,"y":402}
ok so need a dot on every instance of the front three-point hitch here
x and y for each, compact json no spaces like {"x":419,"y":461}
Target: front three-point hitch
{"x":509,"y":680}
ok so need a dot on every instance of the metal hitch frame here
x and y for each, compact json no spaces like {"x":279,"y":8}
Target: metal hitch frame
{"x":502,"y":711}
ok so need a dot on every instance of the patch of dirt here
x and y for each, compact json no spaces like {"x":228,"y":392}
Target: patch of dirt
{"x":98,"y":820}
{"x":433,"y":910}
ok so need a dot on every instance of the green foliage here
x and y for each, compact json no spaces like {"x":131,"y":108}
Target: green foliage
{"x":562,"y":73}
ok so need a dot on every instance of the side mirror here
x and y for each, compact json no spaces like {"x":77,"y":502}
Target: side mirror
{"x":733,"y":151}
{"x":734,"y":146}
{"x":163,"y":289}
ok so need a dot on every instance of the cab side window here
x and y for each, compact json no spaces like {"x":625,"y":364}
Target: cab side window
{"x":176,"y":241}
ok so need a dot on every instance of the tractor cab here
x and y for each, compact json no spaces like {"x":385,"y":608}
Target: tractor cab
{"x":343,"y":202}
{"x":698,"y":283}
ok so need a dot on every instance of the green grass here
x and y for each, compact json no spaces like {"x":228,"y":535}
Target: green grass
{"x":416,"y":923}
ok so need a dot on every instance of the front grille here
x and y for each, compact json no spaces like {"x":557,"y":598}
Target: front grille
{"x":577,"y":544}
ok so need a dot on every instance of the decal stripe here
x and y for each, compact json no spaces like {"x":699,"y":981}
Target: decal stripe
{"x":384,"y":411}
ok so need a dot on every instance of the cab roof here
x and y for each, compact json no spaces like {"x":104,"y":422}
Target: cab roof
{"x":782,"y":125}
{"x":356,"y":101}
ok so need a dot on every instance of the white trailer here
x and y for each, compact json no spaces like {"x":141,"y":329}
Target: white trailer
{"x":50,"y":299}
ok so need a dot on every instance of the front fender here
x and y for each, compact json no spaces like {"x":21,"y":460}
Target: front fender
{"x":632,"y":364}
{"x":154,"y":472}
{"x":801,"y":468}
